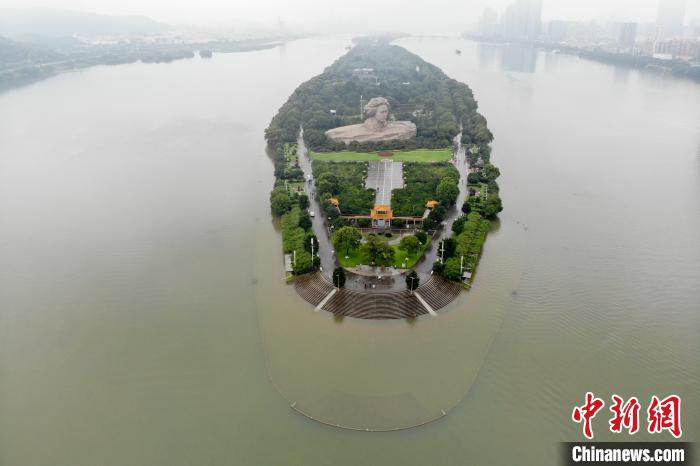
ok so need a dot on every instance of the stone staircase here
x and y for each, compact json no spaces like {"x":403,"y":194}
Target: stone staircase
{"x":312,"y":287}
{"x":375,"y":305}
{"x":437,"y":292}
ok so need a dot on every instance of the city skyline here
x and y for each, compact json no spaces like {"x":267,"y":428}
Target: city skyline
{"x":670,"y":18}
{"x":391,"y":14}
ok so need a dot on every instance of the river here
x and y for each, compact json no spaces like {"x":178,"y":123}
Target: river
{"x":144,"y":319}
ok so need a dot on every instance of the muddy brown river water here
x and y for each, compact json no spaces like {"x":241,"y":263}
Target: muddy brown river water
{"x":144,"y":320}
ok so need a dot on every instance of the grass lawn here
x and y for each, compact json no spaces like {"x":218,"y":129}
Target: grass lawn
{"x":356,"y":257}
{"x":418,"y":155}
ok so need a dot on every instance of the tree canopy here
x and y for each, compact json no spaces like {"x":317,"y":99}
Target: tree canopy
{"x":378,"y":251}
{"x":417,"y":91}
{"x":410,"y":244}
{"x":347,"y":238}
{"x":412,"y":280}
{"x":447,"y":192}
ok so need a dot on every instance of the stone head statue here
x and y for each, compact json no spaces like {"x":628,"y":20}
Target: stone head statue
{"x":376,"y":127}
{"x":377,"y":111}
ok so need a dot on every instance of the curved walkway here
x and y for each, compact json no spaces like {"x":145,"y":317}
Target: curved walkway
{"x":435,"y":294}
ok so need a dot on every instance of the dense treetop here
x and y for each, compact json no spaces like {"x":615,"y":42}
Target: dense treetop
{"x":416,"y":90}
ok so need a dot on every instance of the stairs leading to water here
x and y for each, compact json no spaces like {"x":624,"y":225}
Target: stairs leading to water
{"x":312,"y":287}
{"x":437,"y":292}
{"x":396,"y":305}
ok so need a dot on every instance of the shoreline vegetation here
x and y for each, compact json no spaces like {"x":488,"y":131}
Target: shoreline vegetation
{"x":441,"y":108}
{"x":23,"y":63}
{"x":677,"y":68}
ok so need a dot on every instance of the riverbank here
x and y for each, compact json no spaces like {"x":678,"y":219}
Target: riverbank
{"x":22,"y":72}
{"x":677,"y":67}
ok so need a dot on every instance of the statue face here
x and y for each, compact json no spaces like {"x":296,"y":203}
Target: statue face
{"x":382,"y":113}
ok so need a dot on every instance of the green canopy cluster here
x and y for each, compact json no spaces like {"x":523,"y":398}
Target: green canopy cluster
{"x":417,"y":91}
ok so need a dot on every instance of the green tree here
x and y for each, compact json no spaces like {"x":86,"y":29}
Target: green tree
{"x":492,"y":206}
{"x":305,"y":221}
{"x":280,"y":201}
{"x":303,"y":263}
{"x":458,"y":225}
{"x":412,"y":280}
{"x":490,"y":172}
{"x":378,"y":251}
{"x":472,"y":204}
{"x":421,"y":236}
{"x":346,"y":238}
{"x":449,"y":246}
{"x":447,"y":192}
{"x":452,"y":269}
{"x":434,"y":217}
{"x":339,"y":277}
{"x":327,"y":183}
{"x":310,"y":237}
{"x":410,"y":244}
{"x":303,"y":201}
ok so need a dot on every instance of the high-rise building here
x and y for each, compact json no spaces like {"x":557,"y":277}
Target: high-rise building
{"x":488,"y":23}
{"x":670,"y":18}
{"x":522,"y":20}
{"x":628,"y":35}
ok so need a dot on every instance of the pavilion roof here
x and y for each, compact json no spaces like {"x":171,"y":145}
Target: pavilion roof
{"x":382,"y":212}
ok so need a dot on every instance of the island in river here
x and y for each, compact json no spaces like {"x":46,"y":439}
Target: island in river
{"x":389,"y":224}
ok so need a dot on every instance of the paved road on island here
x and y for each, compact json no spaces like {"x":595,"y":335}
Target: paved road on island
{"x":425,"y":264}
{"x":328,"y":261}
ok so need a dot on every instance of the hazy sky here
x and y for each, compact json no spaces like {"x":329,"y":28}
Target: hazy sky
{"x":413,"y":12}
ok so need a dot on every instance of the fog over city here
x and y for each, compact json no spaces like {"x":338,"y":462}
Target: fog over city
{"x":440,"y":16}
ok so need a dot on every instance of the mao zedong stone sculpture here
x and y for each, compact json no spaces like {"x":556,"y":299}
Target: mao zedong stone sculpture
{"x":376,"y":127}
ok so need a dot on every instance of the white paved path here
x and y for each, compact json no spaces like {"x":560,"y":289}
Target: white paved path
{"x":325,"y":300}
{"x":384,"y":176}
{"x":425,"y":305}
